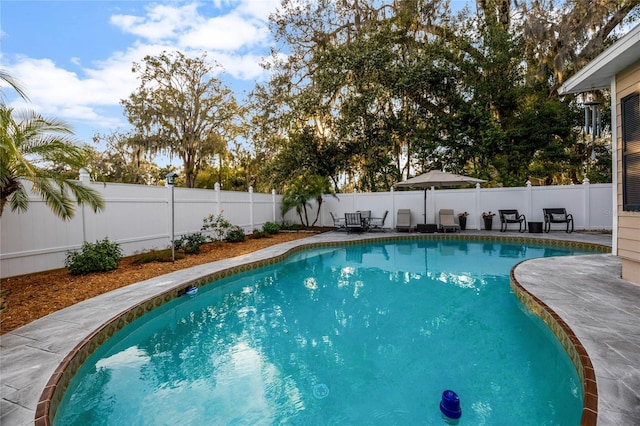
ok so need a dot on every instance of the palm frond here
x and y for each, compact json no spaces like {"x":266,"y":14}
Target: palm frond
{"x":19,"y":200}
{"x":86,"y":195}
{"x":14,"y":83}
{"x":55,"y":197}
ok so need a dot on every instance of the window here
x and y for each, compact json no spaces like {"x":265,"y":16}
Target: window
{"x":631,"y":152}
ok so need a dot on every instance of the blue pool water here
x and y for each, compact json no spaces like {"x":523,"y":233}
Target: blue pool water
{"x":366,"y":334}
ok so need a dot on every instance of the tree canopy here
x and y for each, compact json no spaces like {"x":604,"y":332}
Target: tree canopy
{"x":372,"y":92}
{"x":181,"y":109}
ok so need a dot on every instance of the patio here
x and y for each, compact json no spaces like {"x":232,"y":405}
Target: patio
{"x":585,"y":291}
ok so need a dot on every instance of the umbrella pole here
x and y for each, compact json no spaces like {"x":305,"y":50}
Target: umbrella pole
{"x":425,"y":206}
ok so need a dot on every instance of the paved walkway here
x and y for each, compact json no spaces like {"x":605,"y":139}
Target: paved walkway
{"x":586,"y":291}
{"x":604,"y":312}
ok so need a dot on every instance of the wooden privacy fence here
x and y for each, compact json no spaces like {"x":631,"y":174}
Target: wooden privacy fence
{"x":138,"y":217}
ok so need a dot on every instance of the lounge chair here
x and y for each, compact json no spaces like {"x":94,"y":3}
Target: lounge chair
{"x":557,"y":215}
{"x":403,"y":220}
{"x":447,"y":222}
{"x":512,"y":216}
{"x":353,"y":222}
{"x":377,"y":223}
{"x":338,"y":222}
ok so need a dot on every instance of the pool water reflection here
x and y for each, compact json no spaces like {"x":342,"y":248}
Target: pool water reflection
{"x":358,"y":334}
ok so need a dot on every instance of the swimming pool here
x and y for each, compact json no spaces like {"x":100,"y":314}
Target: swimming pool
{"x":365,"y":334}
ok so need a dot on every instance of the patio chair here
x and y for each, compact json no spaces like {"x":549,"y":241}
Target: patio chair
{"x":338,"y":222}
{"x":557,"y":215}
{"x":377,"y":223}
{"x":353,"y":222}
{"x":403,"y":220}
{"x":512,"y":216}
{"x":447,"y":222}
{"x":365,"y":215}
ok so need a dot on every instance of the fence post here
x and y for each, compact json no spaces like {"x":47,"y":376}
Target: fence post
{"x":586,"y":203}
{"x":393,"y":208}
{"x":355,"y":201}
{"x":85,"y":179}
{"x":529,"y":210}
{"x":251,"y":208}
{"x":478,"y":194}
{"x":216,"y":188}
{"x":170,"y":218}
{"x":273,"y":203}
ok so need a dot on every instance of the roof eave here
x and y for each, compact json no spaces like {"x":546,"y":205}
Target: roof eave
{"x":599,"y":73}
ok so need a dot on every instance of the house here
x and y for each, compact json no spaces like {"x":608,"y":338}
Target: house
{"x":618,"y":69}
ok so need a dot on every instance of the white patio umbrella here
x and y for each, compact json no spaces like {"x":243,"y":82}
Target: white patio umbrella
{"x":437,"y":178}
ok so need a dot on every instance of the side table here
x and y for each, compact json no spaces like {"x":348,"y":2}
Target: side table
{"x":535,"y":227}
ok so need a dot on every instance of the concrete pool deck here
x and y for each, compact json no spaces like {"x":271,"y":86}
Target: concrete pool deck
{"x":585,"y":291}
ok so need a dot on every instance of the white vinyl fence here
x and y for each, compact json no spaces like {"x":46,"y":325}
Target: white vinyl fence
{"x":138,"y":217}
{"x":590,"y":205}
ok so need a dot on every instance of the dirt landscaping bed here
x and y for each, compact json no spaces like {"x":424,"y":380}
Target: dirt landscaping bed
{"x":28,"y":297}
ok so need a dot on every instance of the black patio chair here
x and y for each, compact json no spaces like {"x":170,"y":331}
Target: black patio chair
{"x":557,"y":215}
{"x":512,"y":216}
{"x":353,"y":222}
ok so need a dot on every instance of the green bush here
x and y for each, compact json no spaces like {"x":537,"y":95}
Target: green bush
{"x":288,"y":226}
{"x":156,"y":256}
{"x":190,"y":243}
{"x":257,"y":234}
{"x":216,"y":227}
{"x":271,"y":228}
{"x":99,"y":257}
{"x":235,"y":235}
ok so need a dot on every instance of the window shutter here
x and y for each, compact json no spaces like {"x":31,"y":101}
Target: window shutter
{"x":631,"y":152}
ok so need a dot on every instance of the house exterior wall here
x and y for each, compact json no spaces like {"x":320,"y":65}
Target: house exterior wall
{"x":628,"y":235}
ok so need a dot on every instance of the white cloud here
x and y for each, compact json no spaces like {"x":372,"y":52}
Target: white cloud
{"x":88,"y":95}
{"x":228,"y":32}
{"x":245,"y":67}
{"x":260,"y":9}
{"x":161,"y":22}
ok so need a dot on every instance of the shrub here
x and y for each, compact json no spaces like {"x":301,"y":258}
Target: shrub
{"x":257,"y":234}
{"x":289,"y":226}
{"x":216,"y":226}
{"x":190,"y":243}
{"x":235,"y":235}
{"x":271,"y":228}
{"x":99,"y":257}
{"x":156,"y":256}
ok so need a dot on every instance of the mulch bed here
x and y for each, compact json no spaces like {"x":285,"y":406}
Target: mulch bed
{"x":27,"y":298}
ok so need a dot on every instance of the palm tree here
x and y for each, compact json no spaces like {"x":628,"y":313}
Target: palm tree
{"x":301,"y":191}
{"x":29,"y":146}
{"x":6,"y":77}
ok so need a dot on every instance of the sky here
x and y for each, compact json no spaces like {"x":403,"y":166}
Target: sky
{"x":74,"y":58}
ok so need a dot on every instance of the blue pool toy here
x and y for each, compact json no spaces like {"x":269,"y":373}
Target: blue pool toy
{"x":450,"y":405}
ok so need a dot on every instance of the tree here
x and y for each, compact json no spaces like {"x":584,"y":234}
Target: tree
{"x":7,"y":78}
{"x":300,"y":191}
{"x":181,"y":109}
{"x":29,"y":146}
{"x":122,"y":161}
{"x":563,"y":36}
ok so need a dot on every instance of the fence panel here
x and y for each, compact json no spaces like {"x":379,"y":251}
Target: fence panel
{"x":591,"y":205}
{"x":138,"y":217}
